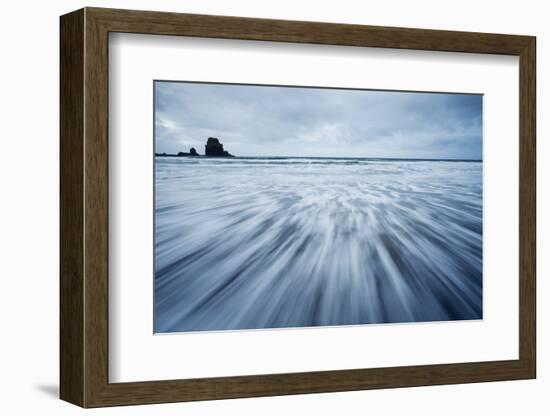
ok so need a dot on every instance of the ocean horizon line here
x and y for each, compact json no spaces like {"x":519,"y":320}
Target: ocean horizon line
{"x":367,"y":158}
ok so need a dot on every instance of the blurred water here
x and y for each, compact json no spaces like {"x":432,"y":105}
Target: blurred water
{"x":269,"y":243}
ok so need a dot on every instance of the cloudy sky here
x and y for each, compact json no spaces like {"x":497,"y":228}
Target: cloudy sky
{"x":283,"y":121}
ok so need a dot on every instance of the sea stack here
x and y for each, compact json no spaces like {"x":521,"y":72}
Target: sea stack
{"x":214,"y":148}
{"x":193,"y":152}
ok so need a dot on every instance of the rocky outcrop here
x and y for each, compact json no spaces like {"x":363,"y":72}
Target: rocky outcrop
{"x":192,"y":152}
{"x":214,"y":148}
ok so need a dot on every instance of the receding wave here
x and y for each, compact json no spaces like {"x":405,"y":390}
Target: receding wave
{"x":293,"y":242}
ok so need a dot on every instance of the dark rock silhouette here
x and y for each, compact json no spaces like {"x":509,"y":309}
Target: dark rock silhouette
{"x":214,"y":148}
{"x":192,"y":152}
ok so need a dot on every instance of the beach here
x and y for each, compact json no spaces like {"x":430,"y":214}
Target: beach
{"x":267,"y":242}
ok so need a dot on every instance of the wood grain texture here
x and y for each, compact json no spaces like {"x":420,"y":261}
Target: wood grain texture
{"x":527,"y":207}
{"x":84,"y":207}
{"x":71,"y":185}
{"x":96,"y":208}
{"x":162,"y":23}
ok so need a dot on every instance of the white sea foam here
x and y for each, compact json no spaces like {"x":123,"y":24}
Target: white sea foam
{"x":285,"y":242}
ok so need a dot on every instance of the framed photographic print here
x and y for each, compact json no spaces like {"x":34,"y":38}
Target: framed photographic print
{"x":255,"y":207}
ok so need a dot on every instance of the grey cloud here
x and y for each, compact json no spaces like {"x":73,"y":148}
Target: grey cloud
{"x":288,"y":121}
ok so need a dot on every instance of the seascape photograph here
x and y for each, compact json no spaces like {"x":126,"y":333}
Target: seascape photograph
{"x":295,"y":207}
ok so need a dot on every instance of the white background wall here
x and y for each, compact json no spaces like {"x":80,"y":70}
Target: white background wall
{"x":29,"y":160}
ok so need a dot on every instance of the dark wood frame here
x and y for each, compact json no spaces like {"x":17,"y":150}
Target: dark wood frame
{"x":84,"y":208}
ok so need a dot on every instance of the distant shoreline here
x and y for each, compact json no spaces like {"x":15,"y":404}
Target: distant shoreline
{"x":394,"y":159}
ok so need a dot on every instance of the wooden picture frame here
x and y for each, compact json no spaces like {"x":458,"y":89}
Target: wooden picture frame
{"x":84,"y":207}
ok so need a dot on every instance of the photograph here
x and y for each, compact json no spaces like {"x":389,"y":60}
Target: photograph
{"x":280,"y":206}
